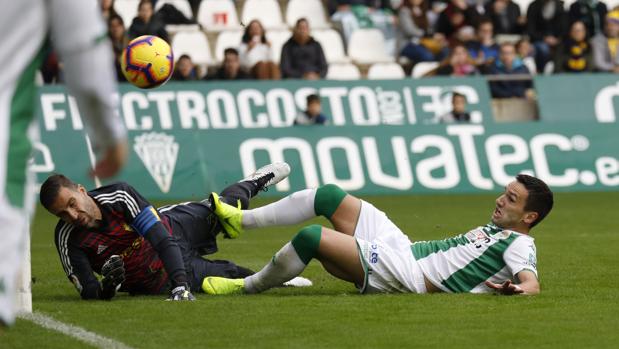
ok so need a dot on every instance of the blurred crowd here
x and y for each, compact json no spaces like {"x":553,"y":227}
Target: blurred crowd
{"x":465,"y":37}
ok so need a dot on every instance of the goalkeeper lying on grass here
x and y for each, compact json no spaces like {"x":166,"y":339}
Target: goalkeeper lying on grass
{"x":366,"y":248}
{"x":115,"y":232}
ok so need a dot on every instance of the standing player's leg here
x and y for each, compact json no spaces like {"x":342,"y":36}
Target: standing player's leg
{"x":336,"y":251}
{"x":330,"y":201}
{"x":14,"y":230}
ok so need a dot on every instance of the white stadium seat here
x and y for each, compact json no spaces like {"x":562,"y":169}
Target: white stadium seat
{"x":386,"y":71}
{"x":267,"y":12}
{"x":422,"y":68}
{"x":277,"y":38}
{"x":524,"y":5}
{"x":312,"y":10}
{"x":181,"y":5}
{"x":127,"y":9}
{"x":332,"y":45}
{"x":367,"y":46}
{"x":343,"y":71}
{"x":217,"y":15}
{"x":225,"y":39}
{"x":193,"y":43}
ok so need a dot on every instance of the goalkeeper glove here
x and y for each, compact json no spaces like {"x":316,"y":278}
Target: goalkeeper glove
{"x":181,"y":293}
{"x":113,"y":272}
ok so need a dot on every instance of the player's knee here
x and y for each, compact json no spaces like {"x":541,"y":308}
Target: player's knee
{"x":328,"y":198}
{"x":307,"y":241}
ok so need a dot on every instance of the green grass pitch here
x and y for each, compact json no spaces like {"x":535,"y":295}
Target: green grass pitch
{"x":578,"y":308}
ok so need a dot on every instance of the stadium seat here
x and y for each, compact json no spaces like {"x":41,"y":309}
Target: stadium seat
{"x":127,"y":9}
{"x":422,"y":68}
{"x":267,"y":12}
{"x":225,"y":39}
{"x":277,"y":38}
{"x":310,"y":9}
{"x":218,"y":15}
{"x":332,"y":45}
{"x":343,"y":71}
{"x":524,"y":5}
{"x":367,"y":46}
{"x":181,"y":5}
{"x":193,"y":43}
{"x":385,"y":71}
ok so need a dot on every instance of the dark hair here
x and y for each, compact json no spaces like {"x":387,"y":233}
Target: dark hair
{"x":540,"y":198}
{"x":115,"y":17}
{"x":231,"y":51}
{"x":184,"y":56}
{"x":51,"y":187}
{"x":246,"y":38}
{"x":482,"y":21}
{"x":302,"y":19}
{"x":313,"y":98}
{"x":455,"y":95}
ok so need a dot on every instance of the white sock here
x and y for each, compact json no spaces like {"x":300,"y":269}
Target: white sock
{"x":294,"y":208}
{"x":284,"y":266}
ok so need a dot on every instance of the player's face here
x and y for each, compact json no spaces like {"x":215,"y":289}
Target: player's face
{"x":75,"y":206}
{"x":509,"y":212}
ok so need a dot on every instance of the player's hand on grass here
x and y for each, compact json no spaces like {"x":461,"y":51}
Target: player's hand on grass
{"x":506,"y":288}
{"x":181,"y":293}
{"x":113,"y":160}
{"x":113,"y":272}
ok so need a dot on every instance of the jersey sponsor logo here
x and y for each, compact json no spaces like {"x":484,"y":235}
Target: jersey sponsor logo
{"x":101,"y":248}
{"x":374,"y":254}
{"x":158,"y":152}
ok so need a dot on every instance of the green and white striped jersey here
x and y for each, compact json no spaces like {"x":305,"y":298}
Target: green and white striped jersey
{"x":462,"y":263}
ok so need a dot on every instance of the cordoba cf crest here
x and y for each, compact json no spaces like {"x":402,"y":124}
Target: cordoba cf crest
{"x":158,"y":152}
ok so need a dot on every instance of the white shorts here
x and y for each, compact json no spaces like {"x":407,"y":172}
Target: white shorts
{"x":385,"y":254}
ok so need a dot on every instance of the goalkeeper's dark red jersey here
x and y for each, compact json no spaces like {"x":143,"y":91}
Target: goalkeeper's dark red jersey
{"x":128,"y":223}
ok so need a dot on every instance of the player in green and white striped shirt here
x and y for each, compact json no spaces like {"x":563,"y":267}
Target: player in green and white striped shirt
{"x":366,"y":248}
{"x":80,"y":37}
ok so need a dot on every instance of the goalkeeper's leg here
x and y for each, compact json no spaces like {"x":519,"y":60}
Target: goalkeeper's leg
{"x":329,"y":201}
{"x":337,"y":252}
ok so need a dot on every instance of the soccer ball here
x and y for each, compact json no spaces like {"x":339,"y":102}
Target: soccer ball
{"x":147,"y":61}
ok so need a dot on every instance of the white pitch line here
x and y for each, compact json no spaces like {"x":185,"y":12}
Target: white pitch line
{"x":76,"y":332}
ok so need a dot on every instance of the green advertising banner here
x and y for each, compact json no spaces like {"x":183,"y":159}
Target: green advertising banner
{"x":578,"y":97}
{"x":185,"y":143}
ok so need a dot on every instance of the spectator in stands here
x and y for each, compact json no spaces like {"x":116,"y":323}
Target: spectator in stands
{"x":146,"y":23}
{"x":606,"y":46}
{"x":546,"y":21}
{"x":313,"y":115}
{"x":119,"y":39}
{"x":591,"y":12}
{"x":107,"y":9}
{"x":302,"y":56}
{"x":575,"y":54}
{"x":484,"y":49}
{"x":458,"y":110}
{"x":506,"y":16}
{"x":421,"y":45}
{"x":509,"y":64}
{"x":230,"y":68}
{"x":526,"y":53}
{"x":185,"y":70}
{"x":458,"y":63}
{"x":457,"y":19}
{"x":255,"y":53}
{"x":351,"y":15}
